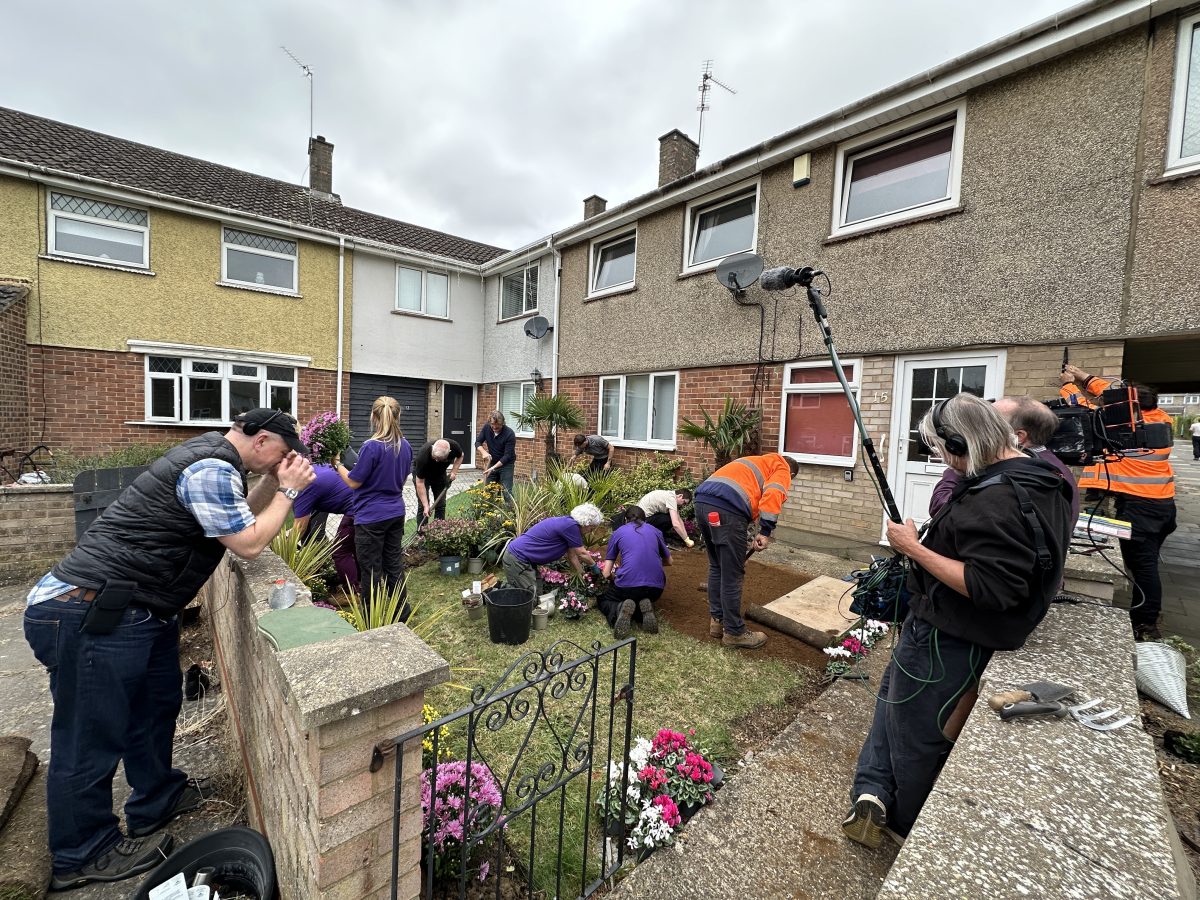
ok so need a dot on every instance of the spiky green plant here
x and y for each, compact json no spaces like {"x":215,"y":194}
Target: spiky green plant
{"x":386,"y":608}
{"x":551,"y":412}
{"x":730,"y":433}
{"x":597,"y":488}
{"x":309,"y":561}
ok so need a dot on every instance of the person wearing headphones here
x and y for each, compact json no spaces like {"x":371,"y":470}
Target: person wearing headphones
{"x":104,"y":622}
{"x":982,"y":576}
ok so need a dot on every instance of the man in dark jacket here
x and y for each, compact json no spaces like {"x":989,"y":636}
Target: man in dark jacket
{"x":104,"y":624}
{"x":498,"y":443}
{"x":982,"y":577}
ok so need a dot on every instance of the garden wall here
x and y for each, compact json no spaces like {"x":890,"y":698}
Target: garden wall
{"x":37,"y":528}
{"x":306,"y":721}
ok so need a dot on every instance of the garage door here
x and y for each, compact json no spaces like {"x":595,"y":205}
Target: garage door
{"x":409,"y":392}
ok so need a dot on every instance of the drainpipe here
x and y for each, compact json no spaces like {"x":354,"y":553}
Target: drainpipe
{"x":554,"y":340}
{"x":341,"y":340}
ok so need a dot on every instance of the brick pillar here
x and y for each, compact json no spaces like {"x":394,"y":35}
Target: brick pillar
{"x":320,"y":165}
{"x":677,"y":154}
{"x":14,"y":364}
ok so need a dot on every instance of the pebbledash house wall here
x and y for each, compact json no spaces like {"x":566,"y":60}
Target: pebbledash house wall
{"x":86,"y":389}
{"x":1032,"y":259}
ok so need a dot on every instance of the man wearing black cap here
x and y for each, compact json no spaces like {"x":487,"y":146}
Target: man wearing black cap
{"x":103,"y":622}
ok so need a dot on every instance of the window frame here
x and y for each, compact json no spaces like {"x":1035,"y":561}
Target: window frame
{"x":820,"y":387}
{"x":1191,"y":399}
{"x":524,"y":270}
{"x":709,"y":202}
{"x":890,"y":137}
{"x":1187,"y":44}
{"x":52,"y":216}
{"x":650,"y":443}
{"x":224,"y":374}
{"x":517,"y":430}
{"x":424,"y":310}
{"x":598,"y":246}
{"x":293,"y":291}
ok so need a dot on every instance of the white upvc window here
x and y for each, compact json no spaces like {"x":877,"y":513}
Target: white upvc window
{"x":426,"y":293}
{"x":612,"y":264}
{"x":899,"y":173}
{"x":817,"y":425}
{"x":639,"y":410}
{"x":518,"y":293}
{"x":511,"y":399}
{"x":93,"y":229}
{"x":720,"y":225}
{"x":1167,"y":400}
{"x":190,"y":390}
{"x":259,"y":260}
{"x":1191,"y":399}
{"x":1183,"y":148}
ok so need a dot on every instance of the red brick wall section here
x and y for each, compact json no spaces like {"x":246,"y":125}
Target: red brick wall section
{"x":92,"y":397}
{"x":14,"y":378}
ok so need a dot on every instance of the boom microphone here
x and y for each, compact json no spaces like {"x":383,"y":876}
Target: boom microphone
{"x":781,"y":278}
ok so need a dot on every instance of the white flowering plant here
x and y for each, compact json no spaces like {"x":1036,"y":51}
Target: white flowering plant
{"x":853,"y":646}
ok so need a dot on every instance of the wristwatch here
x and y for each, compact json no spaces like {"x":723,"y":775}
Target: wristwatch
{"x":290,"y":493}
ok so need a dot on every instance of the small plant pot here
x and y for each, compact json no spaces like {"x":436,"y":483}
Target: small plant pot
{"x":475,"y":612}
{"x":540,"y":619}
{"x":450,"y":565}
{"x":475,"y":565}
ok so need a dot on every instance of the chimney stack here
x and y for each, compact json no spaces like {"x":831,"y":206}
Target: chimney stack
{"x":320,"y":165}
{"x":677,"y":154}
{"x":593,"y":206}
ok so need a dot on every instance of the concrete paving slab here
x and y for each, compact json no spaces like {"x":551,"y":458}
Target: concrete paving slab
{"x":820,"y":604}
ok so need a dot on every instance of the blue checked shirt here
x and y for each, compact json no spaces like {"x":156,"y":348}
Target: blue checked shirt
{"x":211,"y":489}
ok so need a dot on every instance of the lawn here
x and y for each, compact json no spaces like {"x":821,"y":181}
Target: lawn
{"x":680,"y":683}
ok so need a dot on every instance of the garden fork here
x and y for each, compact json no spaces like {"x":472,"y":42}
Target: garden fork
{"x":1097,"y":717}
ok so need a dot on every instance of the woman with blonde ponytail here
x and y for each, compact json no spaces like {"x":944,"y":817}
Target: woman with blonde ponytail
{"x":377,"y":478}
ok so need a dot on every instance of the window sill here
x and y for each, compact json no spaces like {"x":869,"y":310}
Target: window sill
{"x":611,"y":292}
{"x":837,"y":462}
{"x":166,"y":424}
{"x":643,"y":445}
{"x":1177,"y":174}
{"x":420,"y":315}
{"x":847,"y":235}
{"x":525,"y":437}
{"x":705,"y":268}
{"x":132,"y":270}
{"x":527,"y":315}
{"x":258,"y":289}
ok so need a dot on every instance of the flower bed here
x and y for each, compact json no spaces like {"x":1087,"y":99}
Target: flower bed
{"x":853,"y":646}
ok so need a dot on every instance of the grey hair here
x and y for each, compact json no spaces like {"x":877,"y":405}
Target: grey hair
{"x":1034,"y":418}
{"x":587,"y":515}
{"x":440,"y":450}
{"x":986,"y":432}
{"x":496,"y":417}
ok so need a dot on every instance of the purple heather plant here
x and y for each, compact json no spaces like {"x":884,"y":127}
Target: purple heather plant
{"x":326,"y":436}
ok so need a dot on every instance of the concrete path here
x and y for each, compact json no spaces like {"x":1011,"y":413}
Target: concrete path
{"x":1180,"y":560}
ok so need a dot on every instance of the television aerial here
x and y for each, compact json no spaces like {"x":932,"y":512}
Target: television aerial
{"x":707,"y":80}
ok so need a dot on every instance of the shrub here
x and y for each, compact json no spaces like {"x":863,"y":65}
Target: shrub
{"x":452,"y":537}
{"x":67,"y":465}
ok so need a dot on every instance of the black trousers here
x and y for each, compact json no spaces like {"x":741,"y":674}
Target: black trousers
{"x":1196,"y":448}
{"x":1152,"y":521}
{"x":611,"y":600}
{"x":598,"y":464}
{"x":379,"y":547}
{"x":726,"y":546}
{"x":434,"y":487}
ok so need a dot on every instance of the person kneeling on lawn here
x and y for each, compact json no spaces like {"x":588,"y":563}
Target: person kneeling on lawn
{"x":639,"y":578}
{"x":981,"y":579}
{"x":547,"y":542}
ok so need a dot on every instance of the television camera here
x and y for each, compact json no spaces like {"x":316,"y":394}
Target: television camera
{"x":1087,"y":435}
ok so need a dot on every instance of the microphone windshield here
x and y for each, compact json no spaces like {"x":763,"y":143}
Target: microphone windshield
{"x":779,"y":279}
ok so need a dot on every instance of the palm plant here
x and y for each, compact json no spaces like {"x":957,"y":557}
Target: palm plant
{"x":730,"y":434}
{"x":551,"y":411}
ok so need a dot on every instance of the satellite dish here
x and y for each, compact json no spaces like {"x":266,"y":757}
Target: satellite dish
{"x":739,"y":271}
{"x":537,"y":327}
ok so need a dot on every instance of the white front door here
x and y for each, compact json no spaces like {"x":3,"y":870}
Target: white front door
{"x":922,"y":382}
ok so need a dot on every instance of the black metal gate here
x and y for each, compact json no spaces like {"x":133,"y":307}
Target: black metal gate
{"x":97,"y":489}
{"x":515,"y":799}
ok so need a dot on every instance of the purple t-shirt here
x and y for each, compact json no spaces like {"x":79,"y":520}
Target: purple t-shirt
{"x":642,"y":550}
{"x":328,"y":494}
{"x":382,"y":471}
{"x":547,"y":541}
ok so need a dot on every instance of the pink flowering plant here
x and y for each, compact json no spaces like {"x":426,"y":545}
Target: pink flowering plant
{"x":667,"y":776}
{"x":573,"y":603}
{"x":552,"y":576}
{"x":853,"y":646}
{"x":326,"y":437}
{"x":456,"y":813}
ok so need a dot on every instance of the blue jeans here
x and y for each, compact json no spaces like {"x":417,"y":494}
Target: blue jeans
{"x":116,"y":697}
{"x":905,"y":748}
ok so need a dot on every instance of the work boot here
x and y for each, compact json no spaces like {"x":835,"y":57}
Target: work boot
{"x":132,"y":856}
{"x":622,"y":626}
{"x":714,"y":628}
{"x":865,"y":823}
{"x":194,"y":795}
{"x":649,"y":620}
{"x":747,"y":640}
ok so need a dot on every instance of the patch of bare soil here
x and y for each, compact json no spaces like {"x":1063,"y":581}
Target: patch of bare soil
{"x":1180,"y":778}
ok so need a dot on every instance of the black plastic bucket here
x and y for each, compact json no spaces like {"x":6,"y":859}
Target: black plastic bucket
{"x":509,"y":612}
{"x":241,"y":857}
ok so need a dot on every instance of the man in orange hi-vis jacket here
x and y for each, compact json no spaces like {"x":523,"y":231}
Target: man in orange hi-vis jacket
{"x":1142,"y":483}
{"x":726,"y":503}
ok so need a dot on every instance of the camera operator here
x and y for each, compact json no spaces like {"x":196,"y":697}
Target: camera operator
{"x":1142,"y":483}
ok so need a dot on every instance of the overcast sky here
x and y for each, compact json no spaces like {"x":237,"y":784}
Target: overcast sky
{"x":490,"y":120}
